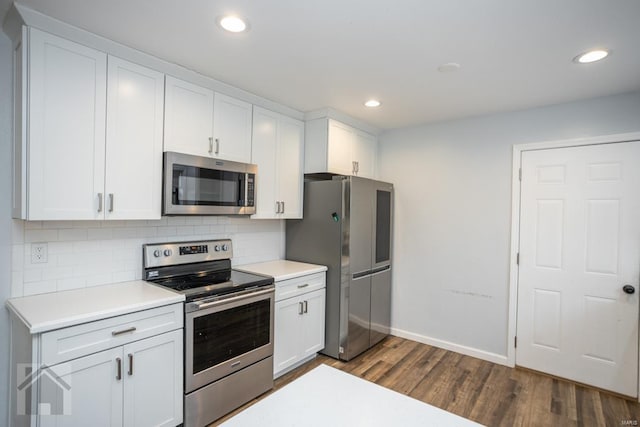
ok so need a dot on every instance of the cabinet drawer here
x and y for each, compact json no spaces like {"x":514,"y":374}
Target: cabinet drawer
{"x":299,"y":285}
{"x":77,"y":341}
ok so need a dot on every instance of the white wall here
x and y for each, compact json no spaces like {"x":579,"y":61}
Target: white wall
{"x":453,"y":213}
{"x":6,"y":65}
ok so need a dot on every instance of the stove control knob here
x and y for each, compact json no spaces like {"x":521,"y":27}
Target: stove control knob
{"x":225,"y":247}
{"x":217,"y":248}
{"x":156,"y":253}
{"x":167,"y":252}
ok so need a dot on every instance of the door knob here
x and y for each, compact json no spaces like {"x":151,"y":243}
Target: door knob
{"x":628,"y":289}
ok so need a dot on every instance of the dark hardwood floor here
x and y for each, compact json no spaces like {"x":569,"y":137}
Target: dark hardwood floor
{"x":490,"y":394}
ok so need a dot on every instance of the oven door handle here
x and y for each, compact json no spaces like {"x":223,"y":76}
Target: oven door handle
{"x":249,"y":293}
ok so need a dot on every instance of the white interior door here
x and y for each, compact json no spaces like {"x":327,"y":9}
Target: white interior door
{"x":579,"y":245}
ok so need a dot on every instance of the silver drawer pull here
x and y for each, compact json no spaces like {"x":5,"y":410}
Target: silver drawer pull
{"x":118,"y":368}
{"x":306,"y":304}
{"x":300,"y":308}
{"x":130,"y":372}
{"x":234,"y":364}
{"x":303,"y":286}
{"x":124,"y":331}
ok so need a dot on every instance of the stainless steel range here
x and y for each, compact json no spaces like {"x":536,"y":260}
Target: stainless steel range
{"x":228,"y":344}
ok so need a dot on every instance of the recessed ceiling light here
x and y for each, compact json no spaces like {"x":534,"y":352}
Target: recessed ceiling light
{"x":591,"y":56}
{"x":372,"y":103}
{"x":449,"y":67}
{"x":233,"y":23}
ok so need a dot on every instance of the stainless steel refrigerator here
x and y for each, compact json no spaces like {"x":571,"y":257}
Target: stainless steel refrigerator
{"x":347,"y":226}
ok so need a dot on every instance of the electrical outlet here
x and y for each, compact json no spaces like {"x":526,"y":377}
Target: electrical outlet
{"x":39,"y":253}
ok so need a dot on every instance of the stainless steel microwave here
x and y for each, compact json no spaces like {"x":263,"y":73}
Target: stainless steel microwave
{"x":195,"y":185}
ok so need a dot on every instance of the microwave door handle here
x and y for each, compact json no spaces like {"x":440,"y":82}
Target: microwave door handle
{"x":246,"y":190}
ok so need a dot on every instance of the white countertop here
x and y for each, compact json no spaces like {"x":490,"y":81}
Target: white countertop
{"x":46,"y":312}
{"x":282,"y":269}
{"x":327,"y":396}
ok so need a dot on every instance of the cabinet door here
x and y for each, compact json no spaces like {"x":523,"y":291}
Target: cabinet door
{"x":153,"y":372}
{"x":365,"y":151}
{"x":188,"y":118}
{"x":290,"y":166}
{"x":313,"y":328}
{"x":67,"y":107}
{"x":264,"y":154}
{"x":288,"y":338}
{"x":91,"y":387}
{"x":340,"y":147}
{"x":135,"y":100}
{"x":232,"y":129}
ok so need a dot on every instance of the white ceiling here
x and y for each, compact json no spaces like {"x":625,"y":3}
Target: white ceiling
{"x":514,"y":54}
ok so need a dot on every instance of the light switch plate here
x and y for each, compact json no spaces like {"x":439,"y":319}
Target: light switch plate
{"x":39,"y":253}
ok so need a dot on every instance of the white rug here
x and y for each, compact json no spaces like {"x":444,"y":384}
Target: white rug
{"x":327,"y":396}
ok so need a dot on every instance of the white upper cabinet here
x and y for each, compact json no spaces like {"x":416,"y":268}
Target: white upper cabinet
{"x":201,"y":123}
{"x":188,"y":118}
{"x":94,"y":151}
{"x":232,"y":129}
{"x":135,"y":99}
{"x":334,"y":147}
{"x":67,"y":86}
{"x":277,"y":149}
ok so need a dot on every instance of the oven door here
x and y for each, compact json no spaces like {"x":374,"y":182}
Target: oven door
{"x":224,"y":336}
{"x":204,"y":186}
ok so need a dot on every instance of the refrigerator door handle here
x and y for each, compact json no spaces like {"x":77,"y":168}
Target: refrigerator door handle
{"x":365,"y":273}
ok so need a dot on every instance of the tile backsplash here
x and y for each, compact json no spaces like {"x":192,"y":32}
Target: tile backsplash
{"x":93,"y":253}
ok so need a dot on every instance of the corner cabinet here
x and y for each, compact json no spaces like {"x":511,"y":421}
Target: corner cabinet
{"x":85,"y":149}
{"x":278,"y":150}
{"x":121,"y":371}
{"x":334,"y":147}
{"x":299,"y":321}
{"x":200,"y":122}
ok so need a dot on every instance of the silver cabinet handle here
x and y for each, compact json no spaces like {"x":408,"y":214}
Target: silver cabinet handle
{"x":357,"y":167}
{"x":118,"y":368}
{"x":306,"y":306}
{"x":99,"y":202}
{"x":300,"y":308}
{"x":130,"y":372}
{"x":217,"y":145}
{"x":110,"y":202}
{"x":353,"y":167}
{"x":210,"y":144}
{"x":277,"y":207}
{"x":282,"y":211}
{"x":124,"y":331}
{"x":303,"y":286}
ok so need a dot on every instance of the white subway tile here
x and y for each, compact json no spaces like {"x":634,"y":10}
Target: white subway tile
{"x":42,"y":287}
{"x":73,"y":234}
{"x":32,"y":276}
{"x":57,"y":224}
{"x":121,"y":233}
{"x":40,"y":235}
{"x":193,"y":220}
{"x":60,"y":247}
{"x":167,"y":231}
{"x":17,"y":284}
{"x":82,"y":247}
{"x":17,"y":257}
{"x":147,"y":231}
{"x":210,"y":220}
{"x":33,"y":225}
{"x":184,"y":230}
{"x":57,"y":273}
{"x":87,"y":224}
{"x":70,"y":283}
{"x":135,"y":223}
{"x":99,"y":233}
{"x":176,"y":220}
{"x":100,"y":279}
{"x":230,"y":228}
{"x":17,"y":231}
{"x":201,"y":229}
{"x":157,"y":222}
{"x":124,"y":276}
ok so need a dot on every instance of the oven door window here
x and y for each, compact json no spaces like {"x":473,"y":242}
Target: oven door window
{"x":207,"y":187}
{"x":223,"y":335}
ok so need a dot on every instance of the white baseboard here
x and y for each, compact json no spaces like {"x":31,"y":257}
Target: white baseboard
{"x":467,"y":351}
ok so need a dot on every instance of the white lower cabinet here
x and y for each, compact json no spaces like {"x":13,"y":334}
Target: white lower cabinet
{"x":120,"y":371}
{"x":299,"y":322}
